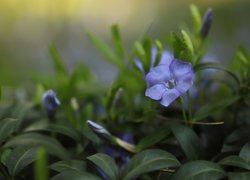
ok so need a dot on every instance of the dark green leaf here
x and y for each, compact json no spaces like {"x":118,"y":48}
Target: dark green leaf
{"x":177,"y":44}
{"x":74,"y":175}
{"x":19,"y":158}
{"x":189,"y":141}
{"x":239,"y":136}
{"x":34,"y":139}
{"x":239,"y":176}
{"x":106,"y":163}
{"x":57,"y":60}
{"x":117,"y":40}
{"x":148,"y":161}
{"x":235,"y":161}
{"x":153,"y":138}
{"x":71,"y":165}
{"x":245,"y":152}
{"x":105,"y":50}
{"x":188,"y":43}
{"x":210,"y":109}
{"x":7,"y":127}
{"x":197,"y":170}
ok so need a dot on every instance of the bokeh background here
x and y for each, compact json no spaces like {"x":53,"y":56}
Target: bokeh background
{"x":27,"y":27}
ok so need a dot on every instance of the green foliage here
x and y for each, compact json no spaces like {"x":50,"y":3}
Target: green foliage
{"x":41,"y":165}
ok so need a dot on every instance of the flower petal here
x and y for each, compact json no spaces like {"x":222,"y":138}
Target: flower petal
{"x":180,"y":68}
{"x":185,"y":82}
{"x":155,"y":92}
{"x":166,"y":58}
{"x":158,"y":75}
{"x":169,"y":96}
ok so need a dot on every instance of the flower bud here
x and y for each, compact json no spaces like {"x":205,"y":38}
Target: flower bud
{"x":100,"y":131}
{"x":50,"y":102}
{"x":206,"y":23}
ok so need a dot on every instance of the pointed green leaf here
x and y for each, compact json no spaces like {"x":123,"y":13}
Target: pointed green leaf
{"x":148,"y":161}
{"x":235,"y":161}
{"x":70,"y":165}
{"x":177,"y":44}
{"x":239,"y":176}
{"x":19,"y":158}
{"x":196,"y":170}
{"x":117,"y":40}
{"x":245,"y":152}
{"x":74,"y":175}
{"x":106,"y":163}
{"x":105,"y":50}
{"x":196,"y":17}
{"x":153,"y":138}
{"x":189,"y":141}
{"x":7,"y":127}
{"x":34,"y":139}
{"x":188,"y":42}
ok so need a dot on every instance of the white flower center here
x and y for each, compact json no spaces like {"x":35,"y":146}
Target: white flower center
{"x":170,"y":84}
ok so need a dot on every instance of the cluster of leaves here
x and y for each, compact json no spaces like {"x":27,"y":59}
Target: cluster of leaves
{"x":201,"y":136}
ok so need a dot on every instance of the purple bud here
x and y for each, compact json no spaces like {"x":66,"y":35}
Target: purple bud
{"x":50,"y":103}
{"x":206,"y":23}
{"x":99,"y":130}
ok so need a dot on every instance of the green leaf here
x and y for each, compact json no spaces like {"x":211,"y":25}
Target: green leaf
{"x":70,"y":165}
{"x":7,"y":127}
{"x":117,"y":41}
{"x":189,"y":141}
{"x":153,"y":138}
{"x":148,"y":161}
{"x":196,"y":17}
{"x":105,"y":50}
{"x":188,"y":43}
{"x":106,"y":163}
{"x":196,"y":170}
{"x":41,"y":165}
{"x":212,"y":108}
{"x":141,"y":54}
{"x":235,"y":161}
{"x":239,"y":176}
{"x":34,"y":139}
{"x":177,"y":44}
{"x":245,"y":153}
{"x":19,"y":158}
{"x":57,"y":60}
{"x":239,"y":136}
{"x":74,"y":175}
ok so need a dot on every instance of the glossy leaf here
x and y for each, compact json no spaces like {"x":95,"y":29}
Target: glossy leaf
{"x":235,"y":161}
{"x":74,"y":175}
{"x":71,"y":165}
{"x":197,"y":170}
{"x":106,"y":164}
{"x":19,"y":158}
{"x":189,"y":141}
{"x":153,"y":138}
{"x":148,"y":161}
{"x":239,"y":176}
{"x":7,"y":127}
{"x":34,"y":139}
{"x":245,"y":153}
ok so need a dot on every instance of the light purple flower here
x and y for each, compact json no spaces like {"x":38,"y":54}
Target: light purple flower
{"x":165,"y":56}
{"x":170,"y":80}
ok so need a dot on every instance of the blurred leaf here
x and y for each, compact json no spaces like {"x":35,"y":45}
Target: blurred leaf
{"x":74,"y":175}
{"x":177,"y":44}
{"x":141,"y":54}
{"x":7,"y":127}
{"x":148,"y":161}
{"x":106,"y":164}
{"x":189,"y":45}
{"x":57,"y":60}
{"x":19,"y":158}
{"x":70,"y":165}
{"x":239,"y":136}
{"x":245,"y":153}
{"x":0,"y":93}
{"x":41,"y":165}
{"x":34,"y":139}
{"x":153,"y":138}
{"x":117,"y":40}
{"x":196,"y":18}
{"x":39,"y":93}
{"x":212,"y":108}
{"x":105,"y":50}
{"x":158,"y":56}
{"x":239,"y":176}
{"x":243,"y":56}
{"x":189,"y":141}
{"x":196,"y":170}
{"x":235,"y":161}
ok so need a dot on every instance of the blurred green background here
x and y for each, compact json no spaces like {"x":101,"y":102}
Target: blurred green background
{"x":27,"y":27}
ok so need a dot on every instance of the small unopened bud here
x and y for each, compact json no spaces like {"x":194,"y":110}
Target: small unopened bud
{"x":50,"y":103}
{"x":100,"y":131}
{"x":206,"y":23}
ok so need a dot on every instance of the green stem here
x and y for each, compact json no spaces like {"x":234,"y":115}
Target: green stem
{"x":190,"y":108}
{"x":183,"y":110}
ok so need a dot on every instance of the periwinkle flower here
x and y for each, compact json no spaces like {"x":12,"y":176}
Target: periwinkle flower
{"x":169,"y":81}
{"x":206,"y":23}
{"x":99,"y":130}
{"x":50,"y":103}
